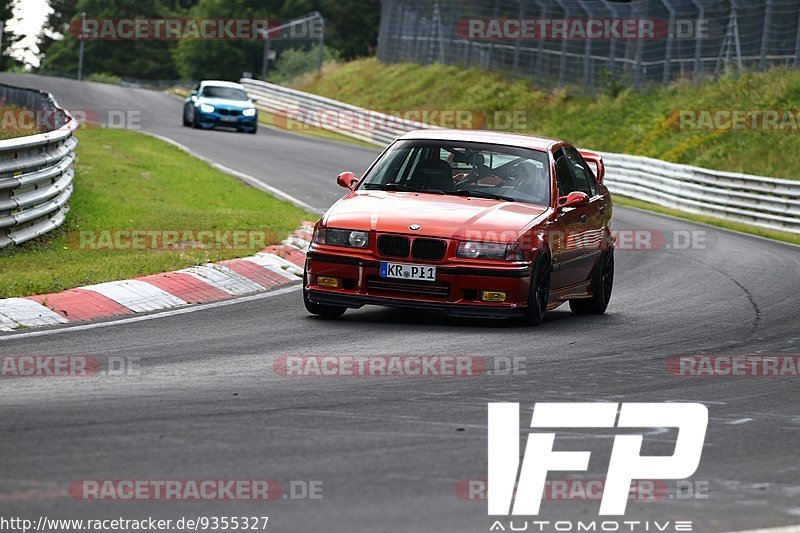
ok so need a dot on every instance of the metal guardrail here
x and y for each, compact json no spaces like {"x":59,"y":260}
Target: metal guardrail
{"x":293,"y":106}
{"x":35,"y":170}
{"x":765,"y":202}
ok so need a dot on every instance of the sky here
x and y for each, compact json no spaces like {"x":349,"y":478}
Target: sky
{"x":29,"y":16}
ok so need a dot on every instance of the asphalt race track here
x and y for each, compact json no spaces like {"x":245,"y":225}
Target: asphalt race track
{"x":390,"y":451}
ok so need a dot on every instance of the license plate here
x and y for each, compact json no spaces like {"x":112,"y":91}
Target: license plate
{"x":410,"y":272}
{"x":225,"y":118}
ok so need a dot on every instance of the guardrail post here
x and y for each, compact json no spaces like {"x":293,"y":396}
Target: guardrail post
{"x":762,"y":62}
{"x":321,"y":57}
{"x":80,"y":46}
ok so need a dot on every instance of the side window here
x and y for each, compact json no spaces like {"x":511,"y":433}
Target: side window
{"x":563,"y":174}
{"x":584,"y":177}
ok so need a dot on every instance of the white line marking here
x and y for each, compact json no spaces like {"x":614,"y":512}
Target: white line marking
{"x":786,"y":529}
{"x":241,"y":176}
{"x":739,"y":422}
{"x":162,"y":314}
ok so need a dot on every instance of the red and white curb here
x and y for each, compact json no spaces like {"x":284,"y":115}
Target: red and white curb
{"x":275,"y":266}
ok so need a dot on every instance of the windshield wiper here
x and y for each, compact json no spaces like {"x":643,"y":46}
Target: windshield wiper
{"x":400,"y":188}
{"x":482,"y":194}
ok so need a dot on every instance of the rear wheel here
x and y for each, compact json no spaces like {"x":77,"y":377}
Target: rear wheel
{"x":602,"y":283}
{"x":539,"y":292}
{"x":325,"y":311}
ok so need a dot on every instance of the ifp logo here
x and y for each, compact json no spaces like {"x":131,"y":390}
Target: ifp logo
{"x":626,"y":463}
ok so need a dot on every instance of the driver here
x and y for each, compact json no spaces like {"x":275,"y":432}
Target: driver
{"x":531,"y":181}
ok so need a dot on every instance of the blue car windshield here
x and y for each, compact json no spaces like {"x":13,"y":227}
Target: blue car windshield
{"x":229,"y":93}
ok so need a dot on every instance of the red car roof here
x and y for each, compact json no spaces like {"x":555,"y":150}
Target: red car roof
{"x":491,"y":137}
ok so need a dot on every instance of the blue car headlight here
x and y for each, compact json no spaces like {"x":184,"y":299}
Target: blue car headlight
{"x":251,"y":112}
{"x":206,"y":108}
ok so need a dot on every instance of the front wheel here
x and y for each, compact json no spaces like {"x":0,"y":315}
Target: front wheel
{"x":539,"y":292}
{"x":602,"y":283}
{"x":325,"y":311}
{"x":195,"y":121}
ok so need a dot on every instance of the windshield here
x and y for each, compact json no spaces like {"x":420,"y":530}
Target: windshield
{"x":463,"y":169}
{"x":230,"y":93}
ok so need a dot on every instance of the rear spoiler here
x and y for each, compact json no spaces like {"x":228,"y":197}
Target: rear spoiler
{"x":597,"y":160}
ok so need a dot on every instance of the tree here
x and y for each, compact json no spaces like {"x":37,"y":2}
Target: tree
{"x":8,"y":61}
{"x":351,"y":26}
{"x":149,"y":59}
{"x":224,"y":59}
{"x":56,"y":25}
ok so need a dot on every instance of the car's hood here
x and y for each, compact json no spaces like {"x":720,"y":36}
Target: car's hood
{"x":238,"y":104}
{"x":438,"y":215}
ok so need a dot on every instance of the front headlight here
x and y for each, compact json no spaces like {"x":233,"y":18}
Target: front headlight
{"x":249,"y":112}
{"x":206,"y":108}
{"x":342,"y":237}
{"x":489,"y":250}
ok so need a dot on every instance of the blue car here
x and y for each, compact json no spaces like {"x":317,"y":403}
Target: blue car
{"x":220,"y":103}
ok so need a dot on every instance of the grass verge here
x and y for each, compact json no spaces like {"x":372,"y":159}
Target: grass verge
{"x":126,"y":181}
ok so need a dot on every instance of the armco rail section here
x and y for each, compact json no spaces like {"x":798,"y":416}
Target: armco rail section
{"x":35,"y":170}
{"x":761,"y":201}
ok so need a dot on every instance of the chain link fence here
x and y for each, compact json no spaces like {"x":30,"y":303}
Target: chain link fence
{"x":592,"y":43}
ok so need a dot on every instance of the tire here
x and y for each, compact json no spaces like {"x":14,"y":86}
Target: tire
{"x":254,"y":130}
{"x":324,"y":311}
{"x":186,"y":123}
{"x":195,"y":123}
{"x":602,"y":285}
{"x":539,"y":292}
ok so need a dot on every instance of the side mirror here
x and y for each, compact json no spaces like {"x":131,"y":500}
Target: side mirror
{"x":253,"y":99}
{"x":348,"y":180}
{"x":574,"y":199}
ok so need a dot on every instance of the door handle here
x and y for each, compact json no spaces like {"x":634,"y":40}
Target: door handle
{"x":602,"y":209}
{"x":583,"y":218}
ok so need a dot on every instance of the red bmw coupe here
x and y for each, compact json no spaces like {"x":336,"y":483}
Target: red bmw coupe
{"x":472,"y":223}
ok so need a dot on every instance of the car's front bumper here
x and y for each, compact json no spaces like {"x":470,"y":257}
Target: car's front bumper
{"x":457,"y":290}
{"x":210,"y":120}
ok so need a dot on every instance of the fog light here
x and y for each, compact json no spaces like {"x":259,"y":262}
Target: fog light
{"x":333,"y":283}
{"x":493,"y":296}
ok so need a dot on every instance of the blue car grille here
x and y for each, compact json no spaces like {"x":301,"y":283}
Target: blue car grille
{"x":233,"y":112}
